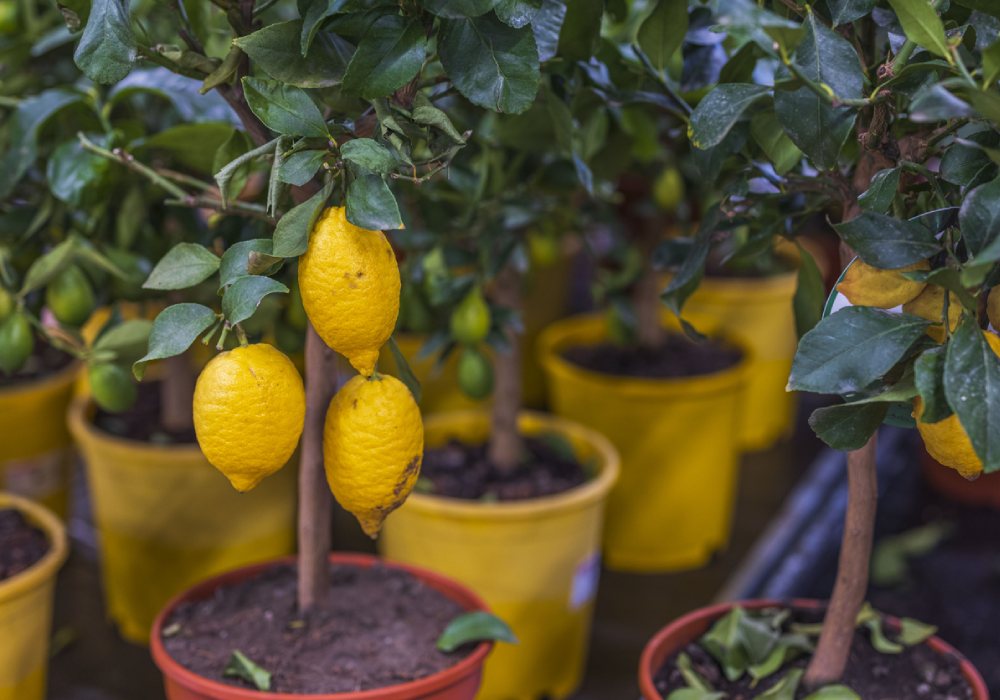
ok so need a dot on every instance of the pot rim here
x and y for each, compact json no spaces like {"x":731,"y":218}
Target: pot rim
{"x":656,"y":649}
{"x":81,"y":425}
{"x":412,"y":689}
{"x":46,"y":567}
{"x":580,"y":496}
{"x":51,"y":381}
{"x":564,"y":332}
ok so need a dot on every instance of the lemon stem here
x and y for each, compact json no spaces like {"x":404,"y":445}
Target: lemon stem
{"x":222,"y":336}
{"x":241,"y":335}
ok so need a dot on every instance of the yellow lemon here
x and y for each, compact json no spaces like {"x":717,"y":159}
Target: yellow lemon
{"x":249,"y":409}
{"x":373,"y":444}
{"x":993,"y":307}
{"x":349,"y":282}
{"x":865,"y":285}
{"x":946,"y":441}
{"x":929,"y":304}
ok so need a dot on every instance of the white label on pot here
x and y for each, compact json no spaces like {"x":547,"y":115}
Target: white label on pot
{"x":35,"y":477}
{"x":585,"y":579}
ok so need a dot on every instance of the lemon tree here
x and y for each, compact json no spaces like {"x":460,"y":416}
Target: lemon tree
{"x":883,"y":118}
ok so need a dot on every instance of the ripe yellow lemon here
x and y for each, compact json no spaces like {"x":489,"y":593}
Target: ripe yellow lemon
{"x":373,"y":444}
{"x":865,"y":285}
{"x":929,"y":304}
{"x":993,"y":307}
{"x":249,"y":409}
{"x":349,"y":282}
{"x":946,"y":441}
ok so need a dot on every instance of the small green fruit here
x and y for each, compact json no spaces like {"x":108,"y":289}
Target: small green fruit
{"x":475,"y":373}
{"x":16,"y":342}
{"x":470,"y":321}
{"x":7,"y":303}
{"x":112,"y":387}
{"x":70,"y":297}
{"x":668,"y":190}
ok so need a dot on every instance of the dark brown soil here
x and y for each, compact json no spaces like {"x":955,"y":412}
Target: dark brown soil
{"x":376,"y":627}
{"x":917,"y":672}
{"x":676,"y":357}
{"x":22,"y":544}
{"x":44,"y":361}
{"x":458,"y":470}
{"x":957,"y":585}
{"x":142,"y":421}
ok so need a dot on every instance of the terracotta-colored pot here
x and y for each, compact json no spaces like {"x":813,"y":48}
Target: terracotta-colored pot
{"x":458,"y":682}
{"x":690,"y":627}
{"x":984,"y":491}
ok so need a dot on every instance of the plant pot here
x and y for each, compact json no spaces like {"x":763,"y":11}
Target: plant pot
{"x":758,"y":312}
{"x":26,"y":609}
{"x":672,"y":506}
{"x":535,"y":562}
{"x":547,"y":291}
{"x":690,"y":627}
{"x":37,"y":464}
{"x":984,"y":491}
{"x":459,"y":682}
{"x":167,"y":519}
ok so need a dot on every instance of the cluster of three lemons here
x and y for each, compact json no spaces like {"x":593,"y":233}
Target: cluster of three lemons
{"x":249,"y":404}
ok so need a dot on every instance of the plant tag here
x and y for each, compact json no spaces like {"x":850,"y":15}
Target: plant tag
{"x":585,"y":579}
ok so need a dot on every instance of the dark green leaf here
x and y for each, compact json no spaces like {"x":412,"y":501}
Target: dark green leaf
{"x":284,"y":108}
{"x":852,"y":348}
{"x":184,"y":265}
{"x":240,"y":666}
{"x":683,"y":284}
{"x":275,"y":49}
{"x":477,"y":626}
{"x":972,"y":385}
{"x":428,"y":115}
{"x":979,"y":218}
{"x":493,"y":65}
{"x":882,"y":190}
{"x":887,"y":242}
{"x":843,"y":11}
{"x":815,"y":126}
{"x":192,"y":145}
{"x":371,"y":204}
{"x":174,"y":329}
{"x":388,"y":56}
{"x":231,"y":181}
{"x":369,"y":154}
{"x":406,"y":374}
{"x":458,"y":9}
{"x":772,"y":139}
{"x":517,"y":13}
{"x":75,"y":175}
{"x":300,"y":167}
{"x":934,"y":103}
{"x":929,"y":378}
{"x":827,"y":57}
{"x":719,"y":111}
{"x":547,"y":26}
{"x":107,"y":48}
{"x":847,"y":426}
{"x":963,"y":163}
{"x":810,"y":294}
{"x":662,"y":32}
{"x":46,"y":267}
{"x":312,"y":18}
{"x":237,"y":256}
{"x":22,"y":133}
{"x":291,"y":235}
{"x":922,"y":25}
{"x":243,"y":296}
{"x":987,"y":6}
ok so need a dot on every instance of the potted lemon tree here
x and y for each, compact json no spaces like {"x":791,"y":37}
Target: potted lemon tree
{"x":889,"y":106}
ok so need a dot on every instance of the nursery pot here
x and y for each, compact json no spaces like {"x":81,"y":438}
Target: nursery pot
{"x":984,"y":491}
{"x":26,"y":608}
{"x":36,"y":454}
{"x":759,"y":313}
{"x":536,"y":562}
{"x":672,"y":506}
{"x":690,"y":627}
{"x":166,"y":519}
{"x":458,"y":682}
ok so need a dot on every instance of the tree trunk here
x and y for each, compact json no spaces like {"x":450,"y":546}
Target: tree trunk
{"x":506,"y":448}
{"x":315,"y":502}
{"x":646,"y":292}
{"x":177,"y":394}
{"x":828,"y":663}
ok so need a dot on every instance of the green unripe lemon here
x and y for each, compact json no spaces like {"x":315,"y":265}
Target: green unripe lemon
{"x":16,"y":342}
{"x":70,"y":297}
{"x":470,"y":321}
{"x":475,"y":373}
{"x":7,"y":303}
{"x":668,"y":190}
{"x":543,"y":249}
{"x":112,"y":387}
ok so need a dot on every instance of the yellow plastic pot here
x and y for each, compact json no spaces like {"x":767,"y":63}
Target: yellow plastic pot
{"x":672,"y":506}
{"x":535,"y":563}
{"x":546,"y":299}
{"x":36,"y":452}
{"x":167,"y":519}
{"x":26,"y":609}
{"x":759,"y":313}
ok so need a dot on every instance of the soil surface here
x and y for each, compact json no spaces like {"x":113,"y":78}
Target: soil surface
{"x":676,"y":357}
{"x":458,"y":470}
{"x":142,"y":421}
{"x":22,"y":544}
{"x":45,"y":360}
{"x":956,"y":585}
{"x":916,"y":673}
{"x":376,"y":627}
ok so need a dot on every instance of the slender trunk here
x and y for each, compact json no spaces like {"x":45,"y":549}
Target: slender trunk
{"x":828,"y":663}
{"x":177,"y":394}
{"x":646,"y":292}
{"x":505,"y":447}
{"x":315,"y":502}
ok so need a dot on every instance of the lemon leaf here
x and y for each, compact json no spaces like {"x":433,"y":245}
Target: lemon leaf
{"x":474,"y":626}
{"x":240,"y":666}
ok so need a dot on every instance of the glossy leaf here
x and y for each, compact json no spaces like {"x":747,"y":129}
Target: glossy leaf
{"x":847,"y":426}
{"x":184,"y":265}
{"x":291,"y":235}
{"x":546,"y":26}
{"x":972,"y":385}
{"x":922,"y":25}
{"x":979,"y":219}
{"x":371,"y":204}
{"x":244,"y":295}
{"x":315,"y":12}
{"x":107,"y":49}
{"x":477,"y":626}
{"x":662,"y":32}
{"x":772,"y":139}
{"x":300,"y":167}
{"x":75,"y":175}
{"x":517,"y":13}
{"x":887,"y":242}
{"x":719,"y":111}
{"x":929,"y":378}
{"x":843,"y":11}
{"x":457,"y":9}
{"x":284,"y":108}
{"x":389,"y":55}
{"x":235,"y":260}
{"x":275,"y":49}
{"x":881,"y":191}
{"x":173,"y":332}
{"x":47,"y":266}
{"x":22,"y":133}
{"x":581,"y":30}
{"x":369,"y":154}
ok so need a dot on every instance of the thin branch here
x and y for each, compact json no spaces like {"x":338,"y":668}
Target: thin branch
{"x":126,"y":159}
{"x":254,"y":211}
{"x":150,"y":54}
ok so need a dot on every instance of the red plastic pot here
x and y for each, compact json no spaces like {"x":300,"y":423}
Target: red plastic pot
{"x":458,"y":682}
{"x":984,"y":491}
{"x":690,"y":627}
